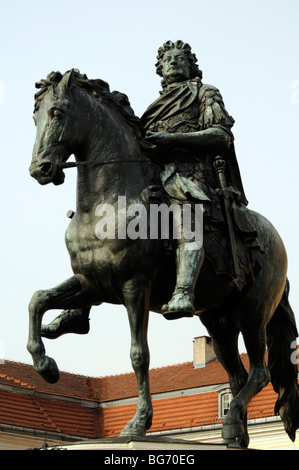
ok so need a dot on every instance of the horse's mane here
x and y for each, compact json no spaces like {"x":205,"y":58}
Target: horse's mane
{"x":101,"y":91}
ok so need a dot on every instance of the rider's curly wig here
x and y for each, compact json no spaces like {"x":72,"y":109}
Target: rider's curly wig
{"x":184,"y":47}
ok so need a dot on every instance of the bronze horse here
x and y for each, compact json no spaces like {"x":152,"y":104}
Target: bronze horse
{"x":75,"y":115}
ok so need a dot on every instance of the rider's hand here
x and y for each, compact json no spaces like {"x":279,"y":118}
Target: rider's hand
{"x":163,"y":140}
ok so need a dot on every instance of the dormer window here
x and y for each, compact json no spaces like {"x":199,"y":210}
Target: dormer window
{"x":225,"y":397}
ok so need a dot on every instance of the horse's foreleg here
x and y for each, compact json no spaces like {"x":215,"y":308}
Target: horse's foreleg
{"x":70,"y":294}
{"x":137,"y":304}
{"x":233,"y":425}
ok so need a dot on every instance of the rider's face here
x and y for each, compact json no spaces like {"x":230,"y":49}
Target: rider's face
{"x":176,"y":66}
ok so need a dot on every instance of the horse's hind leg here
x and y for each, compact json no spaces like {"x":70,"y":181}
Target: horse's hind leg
{"x":136,"y":298}
{"x":233,"y":430}
{"x":70,"y":294}
{"x":225,"y":335}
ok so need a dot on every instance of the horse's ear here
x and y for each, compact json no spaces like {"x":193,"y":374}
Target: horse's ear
{"x":68,"y":79}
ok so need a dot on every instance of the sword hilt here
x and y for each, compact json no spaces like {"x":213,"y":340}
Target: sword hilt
{"x":219,"y":165}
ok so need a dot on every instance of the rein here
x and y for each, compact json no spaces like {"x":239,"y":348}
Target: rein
{"x":76,"y":164}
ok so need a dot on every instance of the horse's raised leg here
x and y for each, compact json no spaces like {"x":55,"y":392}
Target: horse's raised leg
{"x":225,"y":335}
{"x":136,"y":298}
{"x":72,"y":293}
{"x":233,"y":430}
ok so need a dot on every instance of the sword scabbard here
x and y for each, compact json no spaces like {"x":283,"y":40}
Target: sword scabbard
{"x":225,"y":193}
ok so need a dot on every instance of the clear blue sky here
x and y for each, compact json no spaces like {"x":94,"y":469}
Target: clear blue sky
{"x":248,"y":49}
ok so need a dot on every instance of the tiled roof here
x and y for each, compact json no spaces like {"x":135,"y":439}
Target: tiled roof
{"x":186,"y":412}
{"x":115,"y":387}
{"x":21,"y":375}
{"x":262,"y":405}
{"x":164,"y":379}
{"x":72,"y":406}
{"x":169,"y":413}
{"x":26,"y":411}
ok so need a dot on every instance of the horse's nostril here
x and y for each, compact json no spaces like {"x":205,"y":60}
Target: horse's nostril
{"x":46,"y":168}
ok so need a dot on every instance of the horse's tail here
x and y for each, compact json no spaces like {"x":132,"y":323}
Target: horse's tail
{"x":282,"y":363}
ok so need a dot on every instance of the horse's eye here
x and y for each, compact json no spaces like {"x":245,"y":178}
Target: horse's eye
{"x":56,"y":113}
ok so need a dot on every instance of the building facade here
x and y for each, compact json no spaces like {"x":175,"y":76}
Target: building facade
{"x":190,"y":401}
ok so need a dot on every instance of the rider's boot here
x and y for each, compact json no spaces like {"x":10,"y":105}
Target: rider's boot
{"x":188,"y":265}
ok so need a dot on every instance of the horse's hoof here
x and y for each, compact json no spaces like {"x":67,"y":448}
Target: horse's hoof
{"x":48,"y":370}
{"x":234,"y":436}
{"x":234,"y":444}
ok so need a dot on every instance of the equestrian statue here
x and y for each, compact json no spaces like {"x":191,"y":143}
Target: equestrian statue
{"x":208,"y":255}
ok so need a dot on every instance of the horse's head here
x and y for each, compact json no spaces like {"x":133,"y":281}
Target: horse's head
{"x":56,"y":128}
{"x":74,"y":115}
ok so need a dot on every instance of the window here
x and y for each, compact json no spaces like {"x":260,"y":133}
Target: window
{"x":224,"y":403}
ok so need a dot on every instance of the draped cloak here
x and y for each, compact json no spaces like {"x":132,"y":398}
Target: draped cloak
{"x":190,"y":107}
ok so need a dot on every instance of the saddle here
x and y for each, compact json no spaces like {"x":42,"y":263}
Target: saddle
{"x":248,"y":247}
